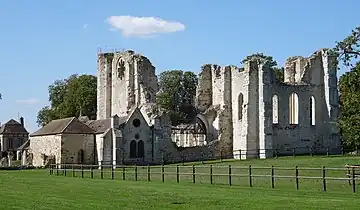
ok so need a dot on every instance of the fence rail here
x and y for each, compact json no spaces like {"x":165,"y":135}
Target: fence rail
{"x":338,"y":178}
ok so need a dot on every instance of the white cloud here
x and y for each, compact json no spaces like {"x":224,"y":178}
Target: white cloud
{"x":143,"y":26}
{"x":29,"y":101}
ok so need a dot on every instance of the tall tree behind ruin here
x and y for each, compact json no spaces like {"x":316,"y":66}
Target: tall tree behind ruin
{"x":279,"y":71}
{"x":349,"y":84}
{"x":177,"y":93}
{"x":70,"y":97}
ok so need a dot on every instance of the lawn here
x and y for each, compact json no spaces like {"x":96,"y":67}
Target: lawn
{"x":310,"y":173}
{"x":36,"y":189}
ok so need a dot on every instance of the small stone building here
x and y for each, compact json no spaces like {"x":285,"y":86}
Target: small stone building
{"x":121,"y":140}
{"x":63,"y":141}
{"x":12,"y":135}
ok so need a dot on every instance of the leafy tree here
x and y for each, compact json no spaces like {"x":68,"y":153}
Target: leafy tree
{"x":279,"y":71}
{"x":70,"y":97}
{"x":177,"y":93}
{"x":348,"y":51}
{"x":349,"y":84}
{"x":349,"y":48}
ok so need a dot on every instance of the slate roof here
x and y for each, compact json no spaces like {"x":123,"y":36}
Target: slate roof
{"x":100,"y":126}
{"x":13,"y":127}
{"x":64,"y":126}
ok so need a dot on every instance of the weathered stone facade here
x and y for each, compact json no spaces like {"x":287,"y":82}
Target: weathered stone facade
{"x":242,"y":113}
{"x":63,"y":141}
{"x":268,"y":115}
{"x":125,"y":79}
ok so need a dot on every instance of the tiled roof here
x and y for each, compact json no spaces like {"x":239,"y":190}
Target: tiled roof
{"x":13,"y":127}
{"x":64,"y":126}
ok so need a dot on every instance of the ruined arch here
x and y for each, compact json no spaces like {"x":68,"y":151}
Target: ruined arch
{"x":312,"y":110}
{"x":201,"y":120}
{"x":294,"y":108}
{"x":275,"y":109}
{"x":240,"y":106}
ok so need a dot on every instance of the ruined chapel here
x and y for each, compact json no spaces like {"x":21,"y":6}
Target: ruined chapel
{"x":242,"y":113}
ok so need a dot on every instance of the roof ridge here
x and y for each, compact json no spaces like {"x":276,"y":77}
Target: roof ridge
{"x":67,"y":125}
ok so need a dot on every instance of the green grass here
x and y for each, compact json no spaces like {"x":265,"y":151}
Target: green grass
{"x":261,"y":173}
{"x":36,"y":189}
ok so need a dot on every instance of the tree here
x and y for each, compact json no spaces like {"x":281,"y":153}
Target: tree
{"x":279,"y":71}
{"x":348,"y":51}
{"x":349,"y":84}
{"x":349,"y":48}
{"x":177,"y":93}
{"x":70,"y":97}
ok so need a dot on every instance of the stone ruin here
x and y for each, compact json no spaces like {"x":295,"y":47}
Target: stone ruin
{"x":245,"y":111}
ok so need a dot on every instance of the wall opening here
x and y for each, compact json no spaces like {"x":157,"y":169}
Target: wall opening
{"x":275,"y":109}
{"x":294,"y":109}
{"x":141,"y":151}
{"x":240,"y":106}
{"x":136,"y":122}
{"x":312,"y":110}
{"x":133,"y":149}
{"x":81,"y":156}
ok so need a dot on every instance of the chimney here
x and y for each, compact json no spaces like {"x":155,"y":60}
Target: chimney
{"x":22,"y":121}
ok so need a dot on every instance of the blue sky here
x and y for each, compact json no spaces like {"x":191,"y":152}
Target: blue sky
{"x":41,"y":41}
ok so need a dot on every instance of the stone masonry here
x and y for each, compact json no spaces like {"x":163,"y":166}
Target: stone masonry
{"x":246,"y":112}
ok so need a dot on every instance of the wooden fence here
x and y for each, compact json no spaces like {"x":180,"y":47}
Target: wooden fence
{"x":338,"y":178}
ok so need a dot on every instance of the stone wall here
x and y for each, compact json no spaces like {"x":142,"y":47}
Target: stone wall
{"x":72,"y":144}
{"x":133,"y":132}
{"x":49,"y":145}
{"x":104,"y":85}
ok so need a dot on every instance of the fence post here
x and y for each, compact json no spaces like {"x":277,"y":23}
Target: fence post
{"x":112,"y":171}
{"x":73,"y":170}
{"x":136,"y":174}
{"x":201,"y":157}
{"x":148,"y":173}
{"x":193,"y":173}
{"x":324,"y":178}
{"x":327,"y":151}
{"x":177,"y":173}
{"x":82,"y":171}
{"x":293,"y":152}
{"x":220,"y":156}
{"x":64,"y":169}
{"x":211,"y":174}
{"x":353,"y":179}
{"x":250,"y":179}
{"x":240,"y":154}
{"x":50,"y":169}
{"x":57,"y":169}
{"x":162,"y":173}
{"x":311,"y":152}
{"x":101,"y":171}
{"x":123,"y":172}
{"x":230,"y":175}
{"x":297,"y":177}
{"x":272,"y":177}
{"x":276,"y":153}
{"x":91,"y":172}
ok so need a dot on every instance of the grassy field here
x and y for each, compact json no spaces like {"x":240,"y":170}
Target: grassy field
{"x":284,"y":173}
{"x":36,"y":189}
